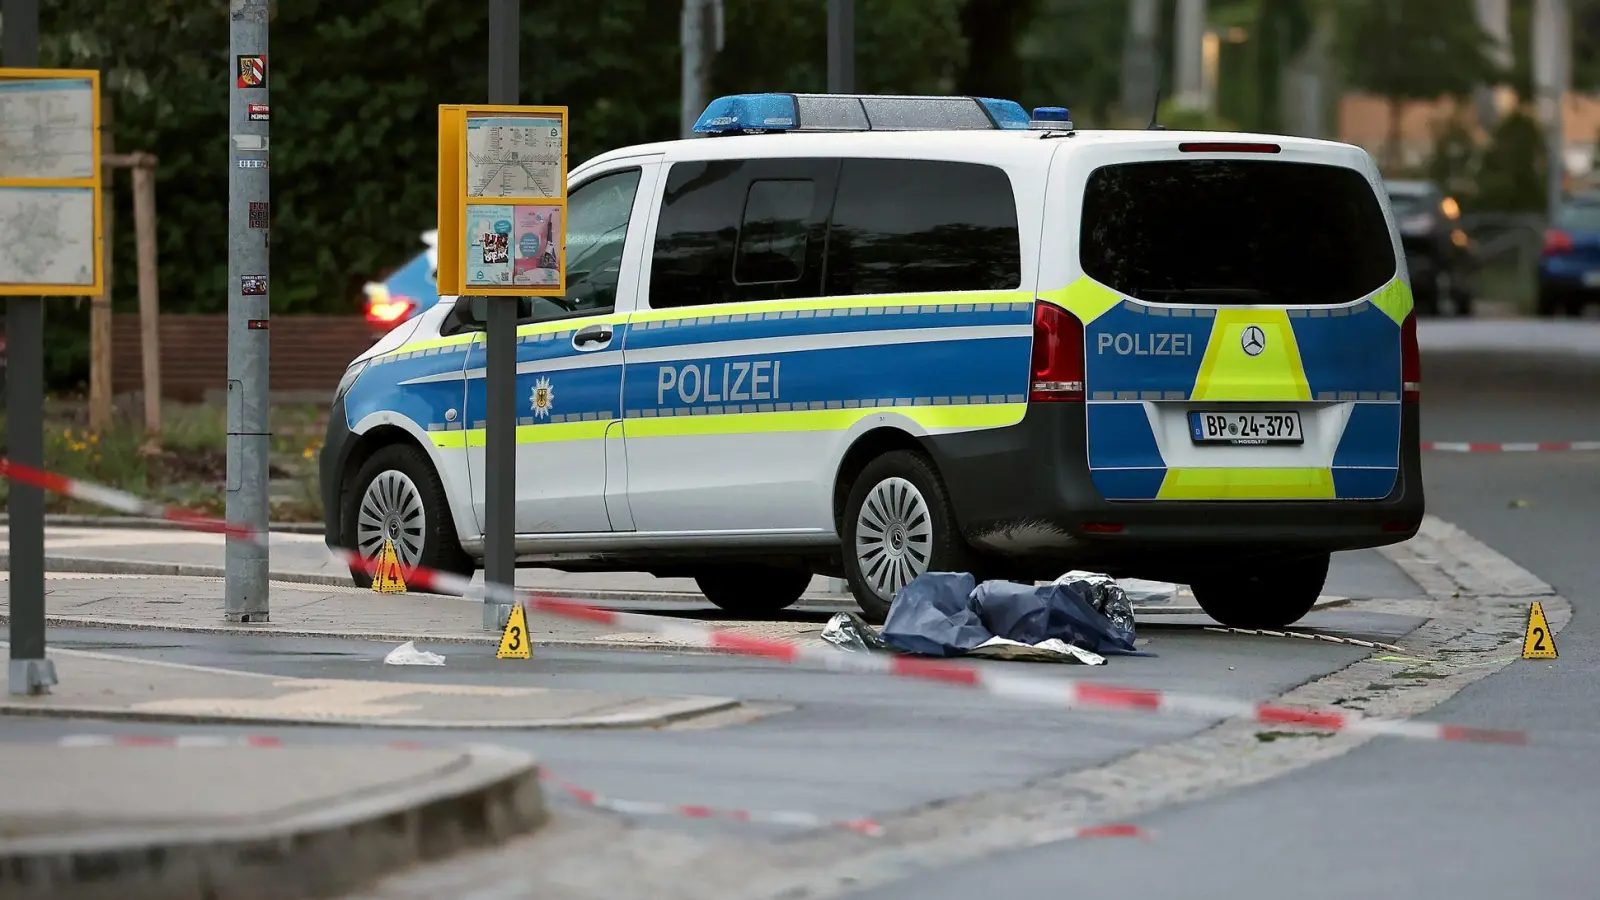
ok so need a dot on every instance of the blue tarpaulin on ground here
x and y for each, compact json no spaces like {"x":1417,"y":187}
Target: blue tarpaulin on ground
{"x":948,"y":614}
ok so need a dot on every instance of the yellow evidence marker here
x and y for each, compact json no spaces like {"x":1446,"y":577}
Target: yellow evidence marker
{"x":514,"y":640}
{"x":388,"y":578}
{"x":1539,"y":643}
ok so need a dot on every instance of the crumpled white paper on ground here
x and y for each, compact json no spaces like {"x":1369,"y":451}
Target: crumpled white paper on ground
{"x":407,"y":654}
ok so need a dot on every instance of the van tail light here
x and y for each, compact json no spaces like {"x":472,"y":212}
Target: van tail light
{"x":1227,"y":147}
{"x":1556,"y":241}
{"x":1057,"y":355}
{"x":1410,"y":360}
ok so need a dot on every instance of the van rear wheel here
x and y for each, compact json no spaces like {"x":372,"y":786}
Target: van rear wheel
{"x":898,"y":524}
{"x":1271,"y":595}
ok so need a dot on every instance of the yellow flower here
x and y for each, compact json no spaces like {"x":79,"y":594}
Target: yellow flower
{"x":307,"y":453}
{"x":67,"y":434}
{"x":94,"y":438}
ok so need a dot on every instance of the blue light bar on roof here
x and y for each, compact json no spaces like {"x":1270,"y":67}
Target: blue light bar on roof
{"x":748,"y":113}
{"x":1007,"y":114}
{"x":1051,"y":118}
{"x":763,"y":113}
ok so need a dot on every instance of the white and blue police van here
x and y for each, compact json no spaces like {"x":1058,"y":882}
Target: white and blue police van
{"x":873,"y":336}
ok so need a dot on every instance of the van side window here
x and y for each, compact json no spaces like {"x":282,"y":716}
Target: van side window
{"x":741,"y":230}
{"x":597,"y":227}
{"x":774,"y":232}
{"x":909,"y":226}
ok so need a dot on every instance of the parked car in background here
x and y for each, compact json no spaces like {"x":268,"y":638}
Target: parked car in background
{"x":409,"y":291}
{"x":1436,"y":247}
{"x":1569,"y":268}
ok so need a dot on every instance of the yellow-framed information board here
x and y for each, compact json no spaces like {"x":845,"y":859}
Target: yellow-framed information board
{"x":50,"y":186}
{"x":502,"y":200}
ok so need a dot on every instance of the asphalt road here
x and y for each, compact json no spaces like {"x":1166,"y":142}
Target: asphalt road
{"x":1403,"y":819}
{"x":1400,"y":819}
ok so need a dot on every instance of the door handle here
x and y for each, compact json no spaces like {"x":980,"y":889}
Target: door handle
{"x":599,"y":335}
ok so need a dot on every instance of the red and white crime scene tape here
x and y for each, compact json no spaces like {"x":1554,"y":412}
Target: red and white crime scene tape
{"x":1523,"y":447}
{"x":649,"y":808}
{"x":1057,"y":691}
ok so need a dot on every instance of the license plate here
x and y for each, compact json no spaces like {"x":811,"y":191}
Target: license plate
{"x":1591,"y":279}
{"x":1245,"y":428}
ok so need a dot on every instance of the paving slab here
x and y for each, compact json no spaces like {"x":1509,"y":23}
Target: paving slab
{"x":111,"y":686}
{"x":234,"y":820}
{"x":187,"y":603}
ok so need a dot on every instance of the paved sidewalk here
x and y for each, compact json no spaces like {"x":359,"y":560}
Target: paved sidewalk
{"x":304,"y":558}
{"x":189,"y":820}
{"x":114,"y":687}
{"x":179,"y":603}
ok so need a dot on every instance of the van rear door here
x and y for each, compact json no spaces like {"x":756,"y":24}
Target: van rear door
{"x":1244,"y":309}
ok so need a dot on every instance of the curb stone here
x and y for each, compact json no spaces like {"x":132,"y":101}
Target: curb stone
{"x":493,"y":794}
{"x":74,"y":521}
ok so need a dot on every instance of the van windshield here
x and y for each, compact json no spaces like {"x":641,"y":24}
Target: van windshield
{"x":1235,"y":232}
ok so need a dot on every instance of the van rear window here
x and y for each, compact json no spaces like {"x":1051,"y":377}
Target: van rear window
{"x":1234,"y":232}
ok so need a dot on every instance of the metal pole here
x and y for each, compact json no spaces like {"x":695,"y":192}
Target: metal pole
{"x":1189,"y":53}
{"x":1139,"y":69}
{"x":841,"y":80}
{"x":1551,"y":51}
{"x":29,"y":671}
{"x":248,"y":307}
{"x":841,"y":46}
{"x":692,"y":89}
{"x":500,"y":347}
{"x":1494,"y":17}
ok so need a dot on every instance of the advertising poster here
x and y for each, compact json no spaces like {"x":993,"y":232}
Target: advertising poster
{"x":488,"y":245}
{"x":538,"y":239}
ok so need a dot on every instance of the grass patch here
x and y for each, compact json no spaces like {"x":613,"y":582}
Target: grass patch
{"x":190,"y":469}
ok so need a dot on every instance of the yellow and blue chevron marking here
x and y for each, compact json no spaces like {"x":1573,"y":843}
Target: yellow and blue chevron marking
{"x":1139,"y":353}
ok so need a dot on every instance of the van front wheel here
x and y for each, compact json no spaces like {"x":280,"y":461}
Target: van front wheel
{"x":898,"y":524}
{"x":398,"y":499}
{"x":1263,"y":595}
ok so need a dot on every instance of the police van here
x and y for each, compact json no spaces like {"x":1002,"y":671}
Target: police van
{"x":872,"y":336}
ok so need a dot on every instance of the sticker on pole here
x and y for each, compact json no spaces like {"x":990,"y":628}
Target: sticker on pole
{"x":251,"y":70}
{"x":514,"y":640}
{"x":388,"y":579}
{"x":1539,"y":643}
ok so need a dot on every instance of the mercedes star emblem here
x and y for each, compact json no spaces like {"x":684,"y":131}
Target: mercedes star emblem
{"x":1253,"y":340}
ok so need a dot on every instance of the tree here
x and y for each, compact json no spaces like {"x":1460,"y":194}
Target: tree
{"x":1511,"y":172}
{"x":992,"y":29}
{"x":1413,"y":50}
{"x":1071,"y":55}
